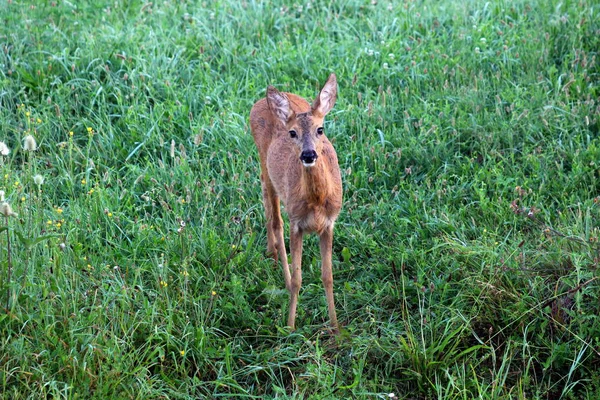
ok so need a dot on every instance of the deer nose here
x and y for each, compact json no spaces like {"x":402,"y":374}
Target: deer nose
{"x":308,"y":156}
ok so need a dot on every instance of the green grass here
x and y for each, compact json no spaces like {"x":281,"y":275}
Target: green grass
{"x":466,"y":255}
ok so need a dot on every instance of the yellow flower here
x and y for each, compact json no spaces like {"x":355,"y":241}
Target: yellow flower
{"x":58,"y":224}
{"x":83,"y":181}
{"x":182,"y":352}
{"x":17,"y":183}
{"x":164,"y":284}
{"x":185,"y":273}
{"x":39,"y":121}
{"x":27,"y":113}
{"x":59,"y":210}
{"x":49,"y":222}
{"x":71,"y":133}
{"x":109,"y":214}
{"x":23,"y":198}
{"x":213,"y":293}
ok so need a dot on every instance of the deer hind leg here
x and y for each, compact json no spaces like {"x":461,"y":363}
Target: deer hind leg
{"x":296,"y":282}
{"x":326,"y":244}
{"x":268,"y":193}
{"x":275,"y":239}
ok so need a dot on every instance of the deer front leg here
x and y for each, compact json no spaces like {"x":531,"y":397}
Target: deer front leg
{"x":296,"y":283}
{"x":275,"y":239}
{"x":326,"y":244}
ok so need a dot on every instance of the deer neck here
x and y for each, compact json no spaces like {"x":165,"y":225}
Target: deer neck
{"x":315,"y":182}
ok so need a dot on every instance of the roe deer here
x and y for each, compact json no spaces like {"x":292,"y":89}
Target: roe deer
{"x":300,"y":166}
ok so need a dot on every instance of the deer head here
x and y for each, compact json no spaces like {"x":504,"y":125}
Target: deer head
{"x":304,"y":129}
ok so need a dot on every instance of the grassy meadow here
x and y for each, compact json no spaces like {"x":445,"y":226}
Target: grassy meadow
{"x":466,"y":254}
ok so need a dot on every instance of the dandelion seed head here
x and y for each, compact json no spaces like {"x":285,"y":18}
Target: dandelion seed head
{"x":29,"y":143}
{"x":38,"y":179}
{"x":7,"y":211}
{"x":4,"y":150}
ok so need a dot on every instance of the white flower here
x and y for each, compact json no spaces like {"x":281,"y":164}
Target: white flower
{"x":29,"y":143}
{"x":1,"y":195}
{"x":385,"y":66}
{"x":7,"y":211}
{"x":4,"y":150}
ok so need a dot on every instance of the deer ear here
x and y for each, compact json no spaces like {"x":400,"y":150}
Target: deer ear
{"x":326,"y":98}
{"x":279,"y":104}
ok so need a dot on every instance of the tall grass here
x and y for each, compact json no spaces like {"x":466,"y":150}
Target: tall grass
{"x":466,"y":255}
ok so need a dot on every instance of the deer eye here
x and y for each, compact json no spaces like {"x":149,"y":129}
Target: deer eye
{"x":293,"y":133}
{"x":319,"y":131}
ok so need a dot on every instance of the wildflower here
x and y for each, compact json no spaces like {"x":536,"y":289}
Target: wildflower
{"x":38,"y":179}
{"x":90,"y":130}
{"x":1,"y":195}
{"x":59,"y":210}
{"x":385,"y":66}
{"x":49,"y":222}
{"x":29,"y":143}
{"x":83,"y":181}
{"x":62,"y":246}
{"x":71,"y":133}
{"x":4,"y":150}
{"x":7,"y":211}
{"x":213,"y":293}
{"x":164,"y":284}
{"x":185,"y":273}
{"x":39,"y":121}
{"x":182,"y":352}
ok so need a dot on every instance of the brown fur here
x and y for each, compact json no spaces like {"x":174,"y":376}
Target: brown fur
{"x":312,"y":195}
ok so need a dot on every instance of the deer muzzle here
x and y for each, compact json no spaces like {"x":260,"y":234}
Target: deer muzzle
{"x":308,"y":158}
